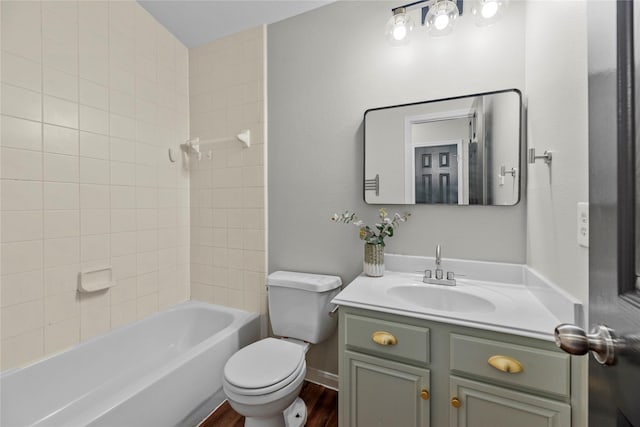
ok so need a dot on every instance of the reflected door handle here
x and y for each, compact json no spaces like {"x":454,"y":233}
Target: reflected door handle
{"x":601,"y":342}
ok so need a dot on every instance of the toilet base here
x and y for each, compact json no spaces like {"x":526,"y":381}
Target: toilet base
{"x":294,"y":416}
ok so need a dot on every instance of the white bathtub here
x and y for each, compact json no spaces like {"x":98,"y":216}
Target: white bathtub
{"x":165,"y":370}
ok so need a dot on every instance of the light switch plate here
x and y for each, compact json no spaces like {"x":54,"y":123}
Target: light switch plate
{"x":583,"y":224}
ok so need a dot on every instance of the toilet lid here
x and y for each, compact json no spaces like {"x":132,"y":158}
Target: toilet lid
{"x":264,"y":363}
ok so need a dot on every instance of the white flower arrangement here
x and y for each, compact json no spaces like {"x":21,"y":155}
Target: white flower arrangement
{"x":376,"y":234}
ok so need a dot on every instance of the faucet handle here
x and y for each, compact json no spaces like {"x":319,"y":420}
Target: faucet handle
{"x":427,"y":274}
{"x":451,"y":275}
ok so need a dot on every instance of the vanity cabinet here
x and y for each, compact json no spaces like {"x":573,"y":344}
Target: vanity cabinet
{"x":388,"y":382}
{"x":403,"y":371}
{"x":481,"y":404}
{"x":385,"y":393}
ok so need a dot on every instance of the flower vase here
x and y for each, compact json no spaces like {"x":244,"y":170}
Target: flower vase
{"x":373,"y":260}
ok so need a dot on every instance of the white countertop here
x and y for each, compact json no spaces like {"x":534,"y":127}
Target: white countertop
{"x":519,"y":309}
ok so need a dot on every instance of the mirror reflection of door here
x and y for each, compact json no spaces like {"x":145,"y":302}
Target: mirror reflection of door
{"x":436,"y":174}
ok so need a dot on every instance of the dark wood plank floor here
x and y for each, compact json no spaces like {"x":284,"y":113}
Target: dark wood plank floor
{"x":322,"y":409}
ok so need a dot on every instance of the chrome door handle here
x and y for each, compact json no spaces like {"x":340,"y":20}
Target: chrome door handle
{"x":601,"y":342}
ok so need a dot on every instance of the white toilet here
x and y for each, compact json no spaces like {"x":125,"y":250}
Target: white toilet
{"x":262,"y":381}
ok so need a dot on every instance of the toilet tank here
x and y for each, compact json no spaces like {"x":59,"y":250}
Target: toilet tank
{"x":299,"y":305}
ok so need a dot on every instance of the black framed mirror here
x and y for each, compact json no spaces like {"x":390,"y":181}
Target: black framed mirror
{"x":457,"y":151}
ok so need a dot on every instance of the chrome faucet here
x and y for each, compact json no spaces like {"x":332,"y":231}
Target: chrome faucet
{"x":439,"y":279}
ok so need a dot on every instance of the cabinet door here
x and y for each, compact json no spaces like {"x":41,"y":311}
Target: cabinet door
{"x":482,"y":405}
{"x":382,"y":393}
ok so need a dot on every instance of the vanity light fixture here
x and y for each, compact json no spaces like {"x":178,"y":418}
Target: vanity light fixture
{"x":439,"y":17}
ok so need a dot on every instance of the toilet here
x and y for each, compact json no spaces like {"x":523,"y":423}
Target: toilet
{"x":262,"y":380}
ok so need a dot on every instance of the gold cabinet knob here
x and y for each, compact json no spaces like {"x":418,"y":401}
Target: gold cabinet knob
{"x":455,"y":402}
{"x":505,"y":364}
{"x":384,"y":338}
{"x":424,"y":394}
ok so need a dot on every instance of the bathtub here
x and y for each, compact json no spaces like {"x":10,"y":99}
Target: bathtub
{"x":165,"y":370}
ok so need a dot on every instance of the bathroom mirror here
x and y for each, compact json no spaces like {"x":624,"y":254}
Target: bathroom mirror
{"x":456,"y":151}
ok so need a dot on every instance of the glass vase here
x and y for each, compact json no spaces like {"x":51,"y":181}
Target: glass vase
{"x":373,"y":260}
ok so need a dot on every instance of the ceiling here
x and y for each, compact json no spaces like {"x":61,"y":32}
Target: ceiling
{"x":197,"y":22}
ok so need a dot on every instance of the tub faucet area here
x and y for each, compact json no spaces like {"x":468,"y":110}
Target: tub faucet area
{"x":439,"y":278}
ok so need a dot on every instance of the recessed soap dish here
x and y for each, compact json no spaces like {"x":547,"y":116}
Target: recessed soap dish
{"x":95,"y":280}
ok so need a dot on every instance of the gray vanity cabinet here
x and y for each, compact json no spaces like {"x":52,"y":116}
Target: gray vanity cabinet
{"x":483,"y":405}
{"x":384,"y":393}
{"x":404,"y":372}
{"x":386,"y":369}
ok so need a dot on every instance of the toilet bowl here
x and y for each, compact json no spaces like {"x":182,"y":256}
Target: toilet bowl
{"x":262,"y":381}
{"x":265,"y":378}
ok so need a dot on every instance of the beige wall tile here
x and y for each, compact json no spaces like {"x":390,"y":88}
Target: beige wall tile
{"x":94,"y":145}
{"x":62,"y":279}
{"x":20,"y":225}
{"x":60,"y":84}
{"x":22,"y":72}
{"x":22,"y":28}
{"x":94,"y":196}
{"x":60,"y":112}
{"x":60,"y":55}
{"x":64,"y":223}
{"x":61,"y":306}
{"x":94,"y":171}
{"x":60,"y":140}
{"x":58,"y":195}
{"x":94,"y":120}
{"x":95,"y":221}
{"x":61,"y":335}
{"x":21,"y":195}
{"x":123,"y":313}
{"x":20,"y":133}
{"x":93,"y":94}
{"x":60,"y":168}
{"x":21,"y":164}
{"x":21,"y":287}
{"x":20,"y":318}
{"x":84,"y":164}
{"x":18,"y":257}
{"x":22,"y":349}
{"x":61,"y":251}
{"x":94,"y":247}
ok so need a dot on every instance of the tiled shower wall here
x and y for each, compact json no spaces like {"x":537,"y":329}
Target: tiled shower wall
{"x":93,"y":94}
{"x":228,"y":233}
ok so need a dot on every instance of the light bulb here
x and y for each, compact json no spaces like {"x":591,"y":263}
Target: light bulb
{"x":398,"y":27}
{"x":489,"y":9}
{"x":441,"y":16}
{"x":399,"y":32}
{"x":441,"y":22}
{"x":488,"y":12}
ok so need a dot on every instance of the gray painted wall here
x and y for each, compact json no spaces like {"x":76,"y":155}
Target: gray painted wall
{"x":325,"y":68}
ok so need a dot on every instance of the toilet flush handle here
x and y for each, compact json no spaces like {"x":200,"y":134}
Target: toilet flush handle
{"x":334,"y":311}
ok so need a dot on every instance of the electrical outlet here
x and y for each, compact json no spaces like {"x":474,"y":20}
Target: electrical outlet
{"x":583,"y":224}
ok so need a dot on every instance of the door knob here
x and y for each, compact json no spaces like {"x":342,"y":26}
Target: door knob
{"x":602,"y":342}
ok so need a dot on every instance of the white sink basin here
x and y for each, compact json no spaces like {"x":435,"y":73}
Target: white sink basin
{"x":443,"y":298}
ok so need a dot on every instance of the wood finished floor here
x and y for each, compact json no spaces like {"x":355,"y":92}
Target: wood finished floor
{"x":322,"y":409}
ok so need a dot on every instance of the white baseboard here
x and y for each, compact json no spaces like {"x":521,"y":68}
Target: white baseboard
{"x":325,"y":379}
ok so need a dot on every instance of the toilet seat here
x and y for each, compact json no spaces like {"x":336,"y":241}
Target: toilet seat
{"x":264,"y":367}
